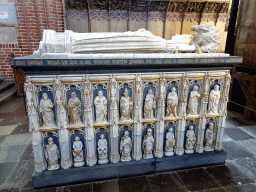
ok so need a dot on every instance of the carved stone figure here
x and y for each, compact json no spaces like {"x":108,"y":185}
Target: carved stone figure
{"x":193,"y":101}
{"x":100,"y":103}
{"x":148,"y":145}
{"x":142,"y":41}
{"x":149,"y":105}
{"x":78,"y":152}
{"x":169,"y":143}
{"x":74,"y":109}
{"x":52,"y":155}
{"x":46,"y":112}
{"x":172,"y":102}
{"x":102,"y":150}
{"x":190,"y":140}
{"x":214,"y":99}
{"x":125,"y":106}
{"x":126,"y":147}
{"x":209,"y":138}
{"x":206,"y":37}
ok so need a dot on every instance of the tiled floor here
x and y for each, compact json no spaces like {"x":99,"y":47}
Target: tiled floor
{"x":239,"y":173}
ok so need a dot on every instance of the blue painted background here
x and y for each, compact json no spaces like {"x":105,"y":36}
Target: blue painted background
{"x":50,"y":96}
{"x":72,"y":139}
{"x":68,"y":96}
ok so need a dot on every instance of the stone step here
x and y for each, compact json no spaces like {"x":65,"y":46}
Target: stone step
{"x":7,"y":94}
{"x":5,"y":85}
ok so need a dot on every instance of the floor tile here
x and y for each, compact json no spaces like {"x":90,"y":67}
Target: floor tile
{"x":241,"y":188}
{"x":7,"y":130}
{"x":2,"y":138}
{"x":228,"y":175}
{"x":17,"y":139}
{"x":5,"y":170}
{"x":21,"y":129}
{"x":249,"y":145}
{"x":235,"y":151}
{"x":1,"y":120}
{"x":134,"y":184}
{"x":197,"y":179}
{"x":222,"y":189}
{"x":226,"y":138}
{"x":166,"y":182}
{"x":106,"y":186}
{"x":237,"y":122}
{"x":21,"y":174}
{"x":251,"y":130}
{"x":28,"y":153}
{"x":247,"y":165}
{"x":11,"y":153}
{"x":237,"y":134}
{"x":11,"y":106}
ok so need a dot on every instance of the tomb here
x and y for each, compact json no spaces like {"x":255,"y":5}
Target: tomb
{"x":98,"y":110}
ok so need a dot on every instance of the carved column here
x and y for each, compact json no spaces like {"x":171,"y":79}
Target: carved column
{"x":88,"y":120}
{"x":37,"y":140}
{"x":137,"y":154}
{"x":62,"y":126}
{"x":222,"y":111}
{"x":114,"y":153}
{"x":160,"y":119}
{"x":179,"y":150}
{"x":202,"y":119}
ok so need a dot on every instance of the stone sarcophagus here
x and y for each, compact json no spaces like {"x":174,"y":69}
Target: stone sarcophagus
{"x":98,"y":116}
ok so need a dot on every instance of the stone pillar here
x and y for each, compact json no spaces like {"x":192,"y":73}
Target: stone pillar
{"x":88,"y":121}
{"x":137,"y":154}
{"x":160,"y":118}
{"x":62,"y":126}
{"x":37,"y":140}
{"x":222,"y":111}
{"x":202,"y":113}
{"x":181,"y":123}
{"x":114,"y":152}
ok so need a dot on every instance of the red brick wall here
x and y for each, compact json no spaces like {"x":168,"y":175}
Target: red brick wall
{"x":33,"y":17}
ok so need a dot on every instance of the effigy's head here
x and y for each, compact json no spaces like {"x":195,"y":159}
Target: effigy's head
{"x":150,"y":91}
{"x":211,"y":125}
{"x":50,"y":140}
{"x":126,"y":133}
{"x":173,"y":89}
{"x":216,"y":87}
{"x":149,"y":132}
{"x":45,"y":96}
{"x":195,"y":88}
{"x":77,"y":138}
{"x":171,"y":129}
{"x":206,"y":37}
{"x":102,"y":136}
{"x":73,"y":94}
{"x":100,"y":93}
{"x":126,"y":92}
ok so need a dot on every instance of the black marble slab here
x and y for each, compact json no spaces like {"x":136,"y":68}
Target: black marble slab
{"x":125,"y":169}
{"x":38,"y":66}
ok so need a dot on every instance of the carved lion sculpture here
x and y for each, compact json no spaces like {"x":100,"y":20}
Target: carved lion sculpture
{"x":206,"y":37}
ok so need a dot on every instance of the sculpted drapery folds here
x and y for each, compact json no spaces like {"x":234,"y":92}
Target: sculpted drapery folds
{"x":148,"y":145}
{"x":209,"y":138}
{"x":102,"y":150}
{"x":193,"y":101}
{"x":100,"y":103}
{"x":149,"y":105}
{"x":214,"y":100}
{"x":125,"y":106}
{"x":52,"y":155}
{"x":74,"y":104}
{"x":190,"y":140}
{"x":172,"y":102}
{"x":169,"y":143}
{"x":46,"y":112}
{"x":126,"y":147}
{"x":78,"y":152}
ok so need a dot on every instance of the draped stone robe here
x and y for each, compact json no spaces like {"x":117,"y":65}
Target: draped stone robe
{"x":46,"y":107}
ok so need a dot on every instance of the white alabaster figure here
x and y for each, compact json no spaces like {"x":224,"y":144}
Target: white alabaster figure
{"x":74,"y":109}
{"x":209,"y":138}
{"x":125,"y":106}
{"x":190,"y":140}
{"x":46,"y":112}
{"x":126,"y":147}
{"x":148,"y":145}
{"x":149,"y":105}
{"x":193,"y":101}
{"x":214,"y":99}
{"x":169,"y":143}
{"x":78,"y":152}
{"x":52,"y":155}
{"x":102,"y":150}
{"x":100,"y":103}
{"x":172,"y":102}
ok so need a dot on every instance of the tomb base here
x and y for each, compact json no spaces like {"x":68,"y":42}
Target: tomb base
{"x":126,"y":169}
